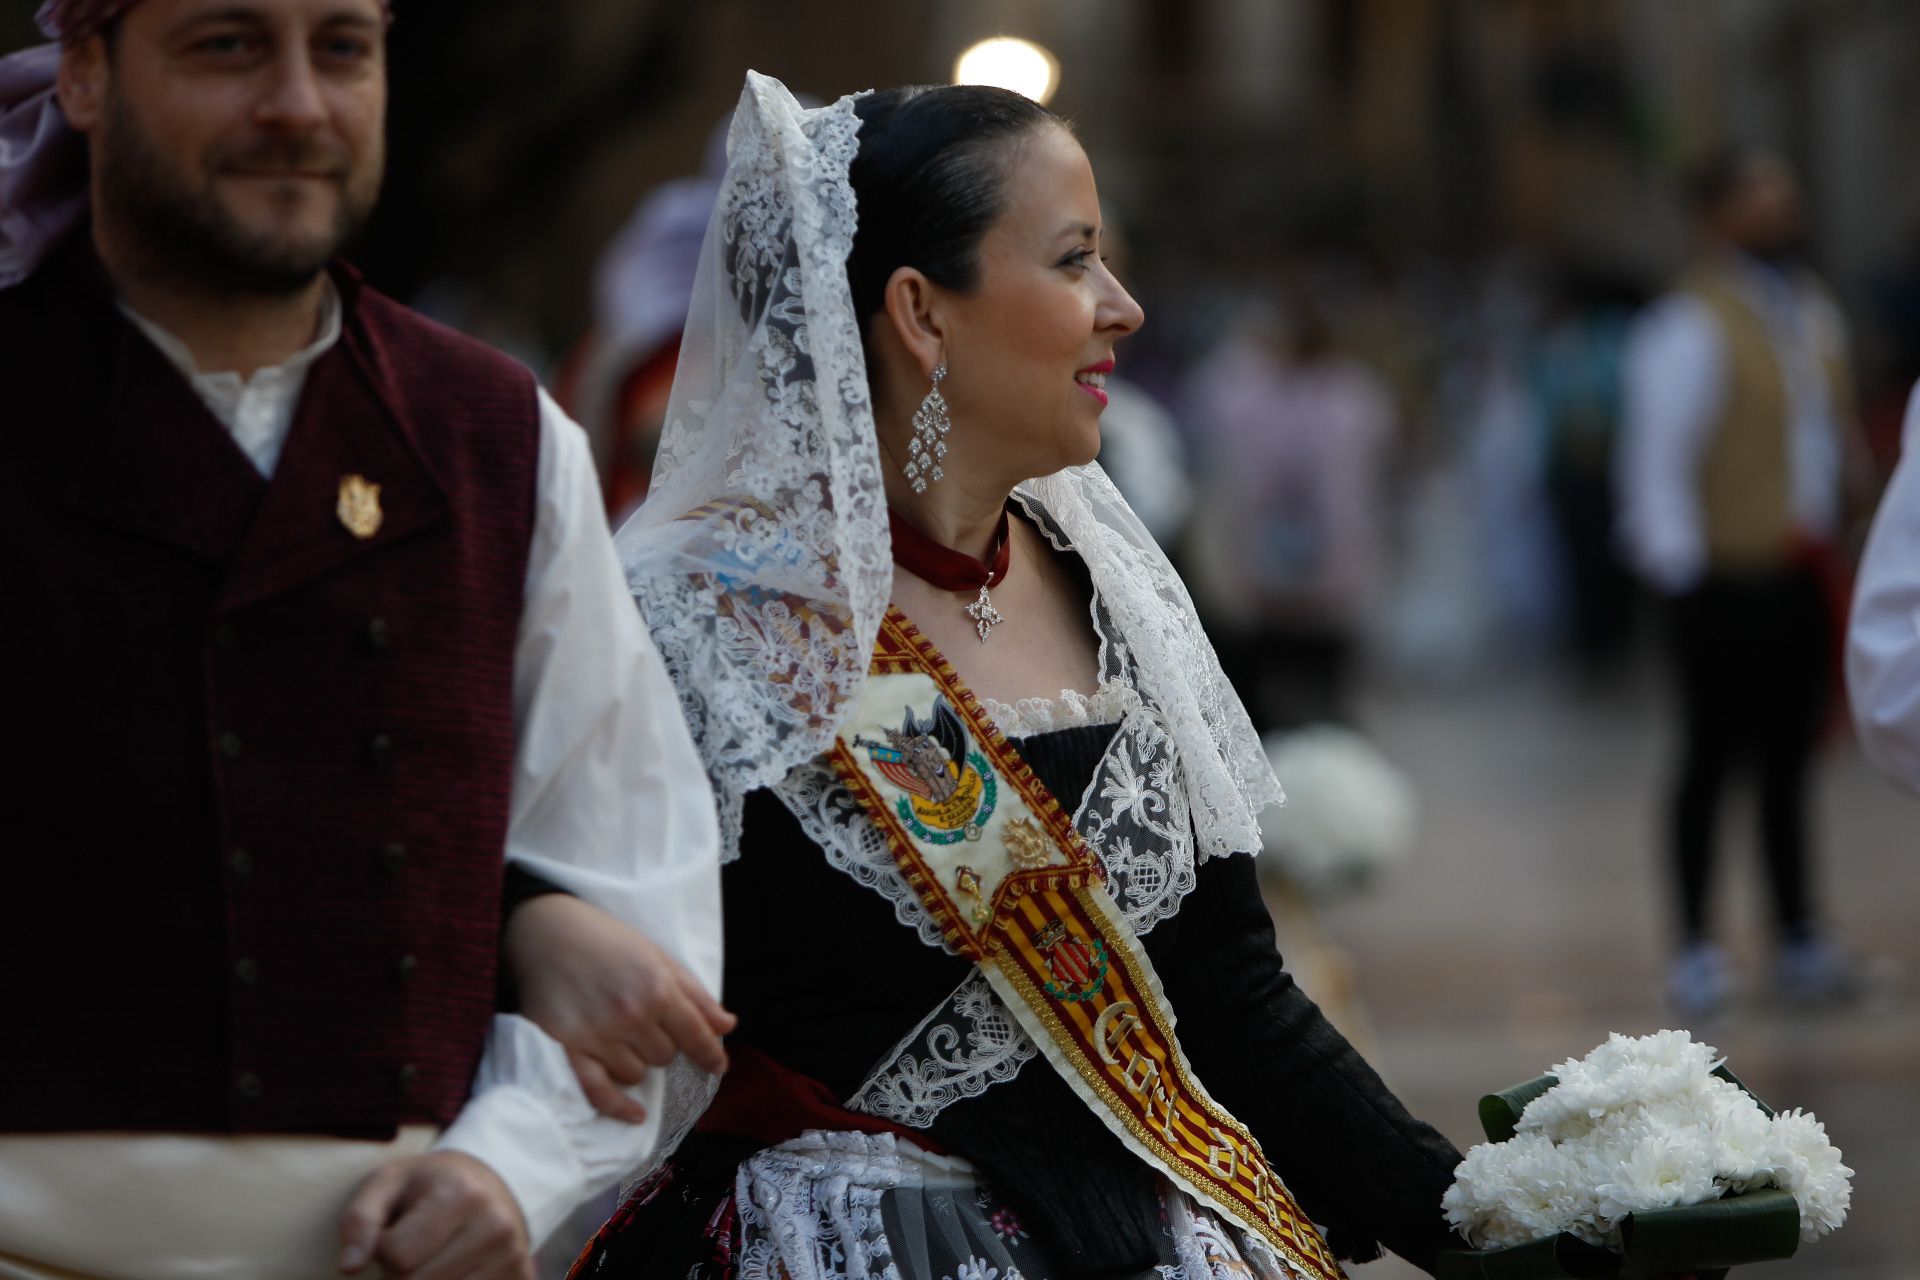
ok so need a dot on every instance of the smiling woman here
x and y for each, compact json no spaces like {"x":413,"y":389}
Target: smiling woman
{"x":984,"y":847}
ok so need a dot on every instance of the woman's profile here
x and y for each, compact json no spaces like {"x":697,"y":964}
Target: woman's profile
{"x":1009,"y":1000}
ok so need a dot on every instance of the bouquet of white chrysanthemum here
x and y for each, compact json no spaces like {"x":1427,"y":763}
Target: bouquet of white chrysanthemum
{"x":1350,"y":815}
{"x":1631,"y":1136}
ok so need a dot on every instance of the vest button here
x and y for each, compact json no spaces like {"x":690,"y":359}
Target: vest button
{"x":393,"y":857}
{"x":223,"y":637}
{"x":406,"y":1077}
{"x":377,"y":633}
{"x":240,"y":862}
{"x":403,"y":967}
{"x":380,"y":750}
{"x":230,"y":745}
{"x":246,"y":971}
{"x":248,"y":1086}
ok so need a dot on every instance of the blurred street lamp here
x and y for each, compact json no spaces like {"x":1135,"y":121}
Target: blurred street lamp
{"x":1008,"y":62}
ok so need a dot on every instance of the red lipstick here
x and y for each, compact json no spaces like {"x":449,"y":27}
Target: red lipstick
{"x":1098,"y":375}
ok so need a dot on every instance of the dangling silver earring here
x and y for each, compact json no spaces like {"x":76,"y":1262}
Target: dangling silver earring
{"x":928,"y":447}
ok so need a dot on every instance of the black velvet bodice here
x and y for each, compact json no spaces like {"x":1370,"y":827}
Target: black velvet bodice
{"x":826,"y":980}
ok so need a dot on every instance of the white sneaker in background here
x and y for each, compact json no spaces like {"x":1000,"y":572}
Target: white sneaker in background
{"x":1815,"y":970}
{"x":1699,"y":983}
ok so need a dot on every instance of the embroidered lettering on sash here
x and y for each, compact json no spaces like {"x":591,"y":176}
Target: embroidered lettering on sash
{"x":1029,"y":905}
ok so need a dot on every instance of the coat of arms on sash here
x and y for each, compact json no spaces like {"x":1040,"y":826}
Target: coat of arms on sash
{"x":1078,"y":965}
{"x":951,"y":789}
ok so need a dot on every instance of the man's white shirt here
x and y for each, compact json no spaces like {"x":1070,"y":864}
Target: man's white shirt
{"x":1883,"y":635}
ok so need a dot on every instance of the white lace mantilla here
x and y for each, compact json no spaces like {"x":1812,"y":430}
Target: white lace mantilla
{"x":762,"y":562}
{"x":761,"y":558}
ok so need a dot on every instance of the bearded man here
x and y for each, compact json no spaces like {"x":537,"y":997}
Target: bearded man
{"x":313,"y":625}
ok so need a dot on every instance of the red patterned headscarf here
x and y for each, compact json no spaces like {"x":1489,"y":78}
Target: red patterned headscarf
{"x":71,"y":21}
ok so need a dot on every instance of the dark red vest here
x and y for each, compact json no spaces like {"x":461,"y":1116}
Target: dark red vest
{"x":257,"y":797}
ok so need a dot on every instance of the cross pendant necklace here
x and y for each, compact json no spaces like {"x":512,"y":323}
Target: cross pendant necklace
{"x":985,"y":616}
{"x":952,"y":570}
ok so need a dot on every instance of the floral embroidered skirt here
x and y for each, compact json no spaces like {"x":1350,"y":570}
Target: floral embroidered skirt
{"x":849,"y":1206}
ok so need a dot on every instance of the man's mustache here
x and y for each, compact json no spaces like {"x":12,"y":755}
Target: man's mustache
{"x":285,"y":155}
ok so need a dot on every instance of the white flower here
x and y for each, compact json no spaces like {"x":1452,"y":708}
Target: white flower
{"x":1636,"y":1125}
{"x":1350,"y":814}
{"x":1743,"y":1140}
{"x":1622,"y":1072}
{"x":1512,"y":1192}
{"x":1805,"y":1162}
{"x":1659,"y":1171}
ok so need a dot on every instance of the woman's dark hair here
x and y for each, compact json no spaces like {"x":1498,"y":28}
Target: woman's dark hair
{"x":929,"y":179}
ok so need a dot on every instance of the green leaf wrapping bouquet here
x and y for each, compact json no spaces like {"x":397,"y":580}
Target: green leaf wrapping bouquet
{"x":1645,"y":1157}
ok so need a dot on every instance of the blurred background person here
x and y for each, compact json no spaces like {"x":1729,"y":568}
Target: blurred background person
{"x":1574,"y":371}
{"x":1140,"y":446}
{"x":1292,"y":435}
{"x":1738,"y":397}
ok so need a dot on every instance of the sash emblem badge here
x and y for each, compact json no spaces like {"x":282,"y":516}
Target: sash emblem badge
{"x":1079,"y":967}
{"x":950,"y":788}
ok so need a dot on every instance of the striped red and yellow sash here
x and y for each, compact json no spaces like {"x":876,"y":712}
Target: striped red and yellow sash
{"x":997,"y":862}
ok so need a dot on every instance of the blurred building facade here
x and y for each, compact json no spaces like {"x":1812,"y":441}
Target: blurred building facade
{"x":525,"y":133}
{"x":1229,"y":130}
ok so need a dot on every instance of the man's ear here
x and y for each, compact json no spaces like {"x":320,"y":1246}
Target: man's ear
{"x":82,"y":85}
{"x":913,"y":311}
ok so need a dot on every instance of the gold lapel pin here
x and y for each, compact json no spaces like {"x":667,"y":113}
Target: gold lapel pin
{"x":359,"y":506}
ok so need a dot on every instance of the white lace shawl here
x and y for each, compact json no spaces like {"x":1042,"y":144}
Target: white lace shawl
{"x":761,"y":557}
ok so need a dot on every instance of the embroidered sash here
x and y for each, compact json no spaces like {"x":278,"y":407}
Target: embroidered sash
{"x":998,"y":865}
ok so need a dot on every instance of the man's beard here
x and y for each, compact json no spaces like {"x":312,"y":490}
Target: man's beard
{"x":187,"y":235}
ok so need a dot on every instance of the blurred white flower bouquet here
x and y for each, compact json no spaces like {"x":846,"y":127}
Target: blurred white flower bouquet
{"x":1349,"y":815}
{"x":1646,"y":1149}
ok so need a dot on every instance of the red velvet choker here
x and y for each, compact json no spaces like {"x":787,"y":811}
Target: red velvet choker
{"x":952,"y":570}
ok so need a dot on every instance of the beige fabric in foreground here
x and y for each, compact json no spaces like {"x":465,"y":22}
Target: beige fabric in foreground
{"x":181,"y":1207}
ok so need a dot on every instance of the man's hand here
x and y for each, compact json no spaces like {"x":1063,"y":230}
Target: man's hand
{"x":441,"y":1216}
{"x":614,"y":1000}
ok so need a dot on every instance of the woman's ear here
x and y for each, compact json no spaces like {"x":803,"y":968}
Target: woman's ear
{"x":913,"y":311}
